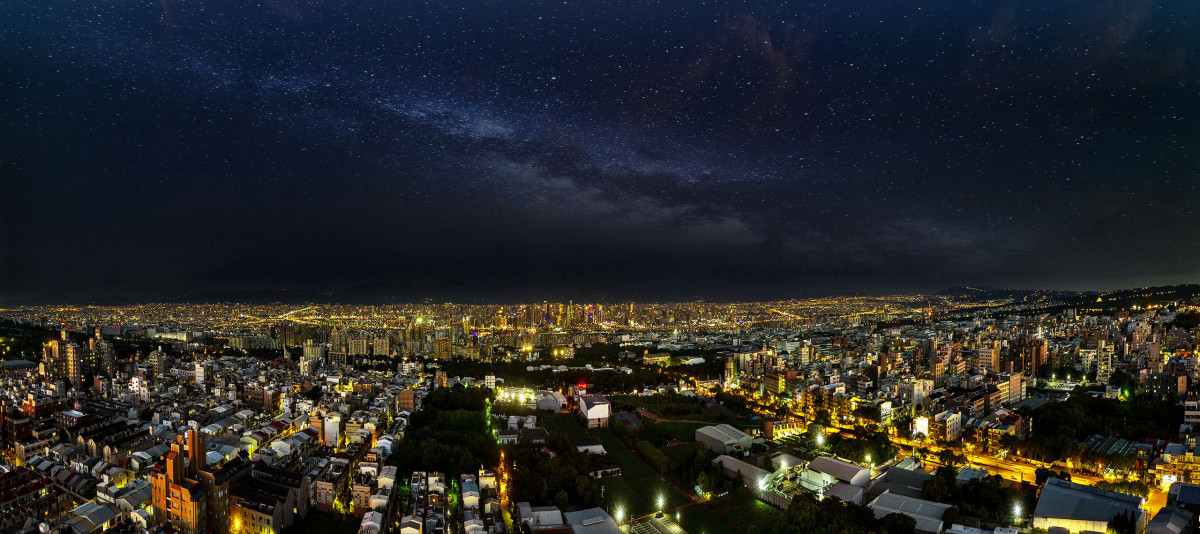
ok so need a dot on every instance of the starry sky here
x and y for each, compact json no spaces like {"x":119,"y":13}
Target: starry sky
{"x":671,"y":149}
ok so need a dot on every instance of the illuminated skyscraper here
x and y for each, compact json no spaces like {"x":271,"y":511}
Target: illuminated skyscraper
{"x":442,"y":349}
{"x":63,"y":360}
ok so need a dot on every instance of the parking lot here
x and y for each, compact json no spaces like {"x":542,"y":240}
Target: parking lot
{"x":652,"y":525}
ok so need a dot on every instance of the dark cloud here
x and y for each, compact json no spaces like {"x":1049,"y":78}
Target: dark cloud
{"x":531,"y":150}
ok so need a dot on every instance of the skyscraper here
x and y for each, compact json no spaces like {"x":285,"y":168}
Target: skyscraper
{"x":442,"y":349}
{"x":1103,"y":362}
{"x":62,"y":360}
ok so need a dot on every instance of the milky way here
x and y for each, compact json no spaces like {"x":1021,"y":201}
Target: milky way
{"x":596,"y":149}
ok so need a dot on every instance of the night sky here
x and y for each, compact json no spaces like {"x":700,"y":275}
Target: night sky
{"x":596,"y":149}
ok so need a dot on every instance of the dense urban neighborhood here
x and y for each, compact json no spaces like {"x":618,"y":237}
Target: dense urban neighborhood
{"x":965,"y":412}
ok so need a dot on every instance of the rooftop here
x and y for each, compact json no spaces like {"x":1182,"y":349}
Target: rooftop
{"x":1067,"y":500}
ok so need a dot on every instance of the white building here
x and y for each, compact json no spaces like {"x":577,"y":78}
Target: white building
{"x":949,"y":424}
{"x":333,"y":430}
{"x":595,"y":409}
{"x":723,"y":439}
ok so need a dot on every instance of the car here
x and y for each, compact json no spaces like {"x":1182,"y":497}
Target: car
{"x":659,"y":515}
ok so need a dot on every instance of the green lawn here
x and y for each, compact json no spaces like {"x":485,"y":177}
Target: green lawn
{"x":682,"y":408}
{"x":741,"y":509}
{"x":636,"y":492}
{"x":681,"y":431}
{"x":569,"y":425}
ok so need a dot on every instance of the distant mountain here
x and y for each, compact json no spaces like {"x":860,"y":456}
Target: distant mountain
{"x":1087,"y":300}
{"x":1146,"y":295}
{"x":984,"y":294}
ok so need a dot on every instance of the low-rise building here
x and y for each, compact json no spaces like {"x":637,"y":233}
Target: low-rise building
{"x":927,"y":514}
{"x":594,"y":409}
{"x":724,"y":439}
{"x":1079,"y":508}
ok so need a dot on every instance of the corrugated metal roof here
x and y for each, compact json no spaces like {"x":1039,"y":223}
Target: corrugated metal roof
{"x":1067,"y":500}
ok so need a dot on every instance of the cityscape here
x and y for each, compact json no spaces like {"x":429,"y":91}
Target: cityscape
{"x":599,"y":267}
{"x":969,"y":410}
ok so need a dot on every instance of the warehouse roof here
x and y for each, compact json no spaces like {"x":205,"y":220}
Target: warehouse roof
{"x":1067,"y":500}
{"x":723,"y":432}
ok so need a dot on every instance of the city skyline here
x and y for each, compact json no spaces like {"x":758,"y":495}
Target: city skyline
{"x":516,"y":151}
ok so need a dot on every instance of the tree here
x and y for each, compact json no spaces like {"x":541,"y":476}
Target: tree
{"x":561,"y":499}
{"x":823,"y":418}
{"x":1041,"y":475}
{"x":951,"y":516}
{"x":1122,"y":523}
{"x":950,"y":458}
{"x":903,"y":423}
{"x":942,"y":487}
{"x":897,"y":523}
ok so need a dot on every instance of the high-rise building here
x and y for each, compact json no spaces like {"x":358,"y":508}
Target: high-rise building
{"x":775,"y":383}
{"x":987,"y":358}
{"x":103,"y":355}
{"x":160,"y":362}
{"x":360,"y":346}
{"x":64,"y":360}
{"x":179,"y":499}
{"x":1103,"y":362}
{"x":338,"y":340}
{"x":937,"y":370}
{"x":187,"y":494}
{"x":314,"y":351}
{"x":381,"y":346}
{"x":338,"y":358}
{"x":442,"y":349}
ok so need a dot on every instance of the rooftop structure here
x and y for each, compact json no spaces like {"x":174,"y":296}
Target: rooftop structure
{"x":928,"y":514}
{"x":1083,"y":508}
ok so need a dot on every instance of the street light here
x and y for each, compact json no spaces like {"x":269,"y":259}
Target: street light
{"x":660,"y":502}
